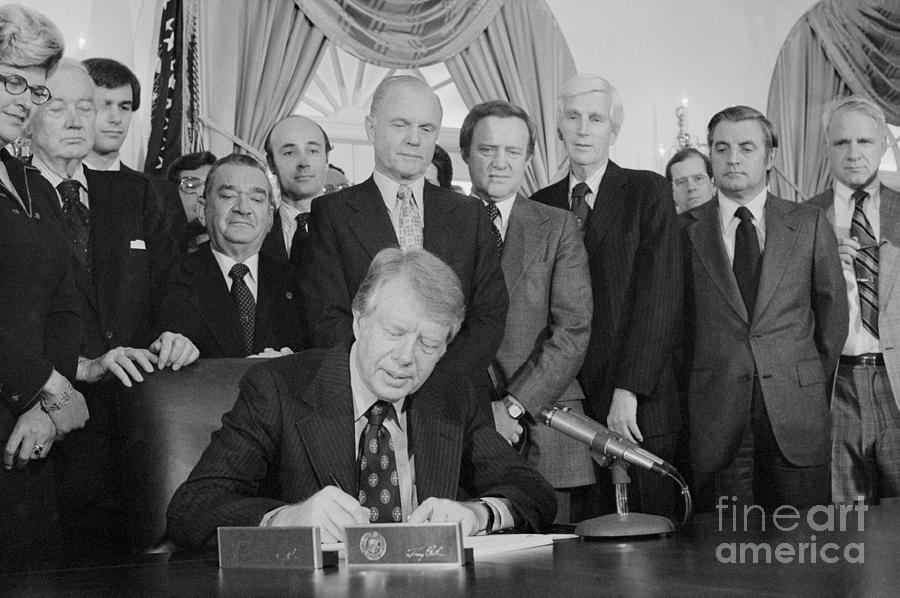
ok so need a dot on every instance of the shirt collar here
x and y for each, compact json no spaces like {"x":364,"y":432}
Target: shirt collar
{"x":389,"y":187}
{"x":363,"y":398}
{"x":225,"y":263}
{"x":504,"y":206}
{"x":592,"y":181}
{"x":54,"y":178}
{"x":843,"y":193}
{"x":728,"y":207}
{"x":288,"y":212}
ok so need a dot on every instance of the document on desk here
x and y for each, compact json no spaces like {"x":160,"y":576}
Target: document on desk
{"x":485,"y":545}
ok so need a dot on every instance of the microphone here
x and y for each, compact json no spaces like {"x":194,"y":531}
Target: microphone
{"x":602,"y":439}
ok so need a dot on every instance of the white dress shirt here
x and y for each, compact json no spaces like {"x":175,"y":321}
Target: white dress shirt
{"x":388,"y":188}
{"x":504,"y":206}
{"x":729,"y":222}
{"x":55,"y":179}
{"x":251,"y":278}
{"x":288,"y":215}
{"x":592,"y":181}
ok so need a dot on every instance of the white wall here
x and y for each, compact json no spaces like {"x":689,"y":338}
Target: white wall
{"x":716,"y":53}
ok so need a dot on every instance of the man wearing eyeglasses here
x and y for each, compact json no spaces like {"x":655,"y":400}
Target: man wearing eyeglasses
{"x":690,"y":173}
{"x":117,"y":96}
{"x":189,"y":172}
{"x":297,"y":152}
{"x":866,"y":218}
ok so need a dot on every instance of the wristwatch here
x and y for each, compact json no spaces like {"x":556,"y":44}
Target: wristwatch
{"x":513,"y":408}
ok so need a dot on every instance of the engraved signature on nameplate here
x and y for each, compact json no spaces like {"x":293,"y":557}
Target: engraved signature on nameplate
{"x":420,"y":553}
{"x":290,"y":555}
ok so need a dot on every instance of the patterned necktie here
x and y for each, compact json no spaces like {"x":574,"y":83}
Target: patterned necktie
{"x":78,"y":219}
{"x":580,"y":207}
{"x":746,"y":258}
{"x":379,"y":484}
{"x":494,"y":215}
{"x":865,"y":264}
{"x":299,"y":238}
{"x":410,"y":222}
{"x":246,"y":306}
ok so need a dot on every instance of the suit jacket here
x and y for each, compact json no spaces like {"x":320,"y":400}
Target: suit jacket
{"x":168,"y":202}
{"x":350,"y":226}
{"x":792,"y":341}
{"x":294,"y":417}
{"x":273,"y":245}
{"x":199,"y":305}
{"x":133,"y":259}
{"x":547,"y":330}
{"x":631,"y":240}
{"x":889,"y":275}
{"x":40,"y":319}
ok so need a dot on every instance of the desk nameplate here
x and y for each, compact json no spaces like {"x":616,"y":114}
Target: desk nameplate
{"x":273,"y":548}
{"x":402,"y":544}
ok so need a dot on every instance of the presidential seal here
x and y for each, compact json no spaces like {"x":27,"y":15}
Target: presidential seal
{"x":372,"y":545}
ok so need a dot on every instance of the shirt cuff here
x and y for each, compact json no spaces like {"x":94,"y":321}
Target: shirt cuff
{"x":503,"y":518}
{"x":267,"y":518}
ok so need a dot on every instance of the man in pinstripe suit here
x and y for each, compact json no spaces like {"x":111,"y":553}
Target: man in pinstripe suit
{"x":631,"y":237}
{"x":866,"y":405}
{"x":303,"y":419}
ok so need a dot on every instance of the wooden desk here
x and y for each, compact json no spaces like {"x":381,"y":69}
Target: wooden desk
{"x":682,"y":565}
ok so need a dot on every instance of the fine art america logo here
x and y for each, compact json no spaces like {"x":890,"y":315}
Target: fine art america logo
{"x":828,"y":519}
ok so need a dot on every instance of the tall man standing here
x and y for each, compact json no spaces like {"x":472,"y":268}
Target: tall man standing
{"x":866,"y":218}
{"x":396,"y":206}
{"x":631,"y":237}
{"x":297,"y":152}
{"x":767,"y":314}
{"x":549,"y":318}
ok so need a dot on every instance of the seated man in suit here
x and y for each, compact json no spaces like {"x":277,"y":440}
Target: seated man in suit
{"x":229,"y":298}
{"x":117,"y":95}
{"x":323,"y":420}
{"x":766,"y":315}
{"x":297,"y":152}
{"x":549,"y":319}
{"x":865,"y":214}
{"x":397,"y":207}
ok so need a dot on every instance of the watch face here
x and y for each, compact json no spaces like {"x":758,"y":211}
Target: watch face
{"x":514,"y":411}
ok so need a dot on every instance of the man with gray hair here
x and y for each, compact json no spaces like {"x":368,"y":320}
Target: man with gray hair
{"x":231,"y":299}
{"x":394,"y":207}
{"x":628,"y":221}
{"x":865,"y":407}
{"x":368,"y":431}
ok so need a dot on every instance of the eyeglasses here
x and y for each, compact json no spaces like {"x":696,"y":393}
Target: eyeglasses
{"x":190,"y":184}
{"x":16,"y":85}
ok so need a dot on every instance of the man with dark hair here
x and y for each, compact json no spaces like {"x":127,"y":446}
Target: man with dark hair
{"x":690,"y":173}
{"x":189,"y":173}
{"x":117,"y":95}
{"x":549,"y":318}
{"x":297,"y":151}
{"x":397,"y":207}
{"x":631,"y":237}
{"x":766,"y":317}
{"x":440,"y":171}
{"x":227,"y":297}
{"x":368,"y":432}
{"x":865,"y":214}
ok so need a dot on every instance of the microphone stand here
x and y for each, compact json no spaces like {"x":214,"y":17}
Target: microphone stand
{"x":622,"y":523}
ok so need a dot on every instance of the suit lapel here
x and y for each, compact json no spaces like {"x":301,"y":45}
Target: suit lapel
{"x":217,"y":308}
{"x":325,"y":423}
{"x":607,"y":203}
{"x":889,"y":254}
{"x":104,"y":234}
{"x":438,"y":234}
{"x":273,"y":244}
{"x":526,"y":234}
{"x":369,"y":220}
{"x":436,"y":442}
{"x":781,"y":235}
{"x":709,"y":248}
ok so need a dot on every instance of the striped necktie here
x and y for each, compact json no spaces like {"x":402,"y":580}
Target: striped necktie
{"x":865,"y":264}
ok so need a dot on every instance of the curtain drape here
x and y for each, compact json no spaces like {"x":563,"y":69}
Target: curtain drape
{"x":272,"y":76}
{"x":400,"y":33}
{"x":521,"y":57}
{"x":838,"y":48}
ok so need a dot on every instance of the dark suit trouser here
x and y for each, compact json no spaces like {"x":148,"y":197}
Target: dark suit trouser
{"x":866,"y":442}
{"x":759,"y":474}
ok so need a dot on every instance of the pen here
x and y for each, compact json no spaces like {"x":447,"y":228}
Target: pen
{"x":335,"y":482}
{"x":871,"y":245}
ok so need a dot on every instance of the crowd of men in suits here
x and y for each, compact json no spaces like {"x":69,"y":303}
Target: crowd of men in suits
{"x":454,"y":318}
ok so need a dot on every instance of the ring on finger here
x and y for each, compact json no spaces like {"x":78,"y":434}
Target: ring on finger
{"x":37,"y":450}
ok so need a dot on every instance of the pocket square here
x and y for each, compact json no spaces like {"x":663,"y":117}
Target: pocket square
{"x":138,"y":244}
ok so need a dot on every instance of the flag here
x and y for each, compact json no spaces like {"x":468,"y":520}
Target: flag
{"x":166,"y":107}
